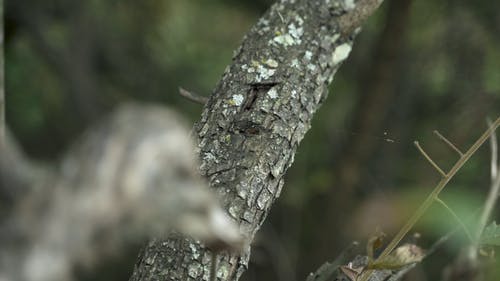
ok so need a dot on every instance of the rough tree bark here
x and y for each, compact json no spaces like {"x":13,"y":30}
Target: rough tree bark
{"x":255,"y":119}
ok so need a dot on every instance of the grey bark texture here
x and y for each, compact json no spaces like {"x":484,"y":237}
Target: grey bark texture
{"x":254,"y":121}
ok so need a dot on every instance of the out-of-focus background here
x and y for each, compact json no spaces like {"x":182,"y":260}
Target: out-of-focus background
{"x":416,"y":67}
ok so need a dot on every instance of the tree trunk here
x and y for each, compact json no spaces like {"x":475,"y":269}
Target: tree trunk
{"x":253,"y":122}
{"x":2,"y":78}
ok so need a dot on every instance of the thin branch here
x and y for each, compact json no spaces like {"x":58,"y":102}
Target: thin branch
{"x":449,"y":143}
{"x":192,"y":96}
{"x":454,"y":215}
{"x":429,"y":159}
{"x":492,"y":198}
{"x":434,"y":194}
{"x":494,"y":155}
{"x":440,"y":186}
{"x":229,"y":112}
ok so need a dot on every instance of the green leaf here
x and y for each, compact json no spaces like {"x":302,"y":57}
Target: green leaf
{"x":491,"y":235}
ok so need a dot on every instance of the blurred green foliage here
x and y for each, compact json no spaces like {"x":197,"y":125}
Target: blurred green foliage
{"x":82,"y":58}
{"x":438,"y":67}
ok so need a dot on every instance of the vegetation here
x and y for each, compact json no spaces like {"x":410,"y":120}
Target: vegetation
{"x":417,"y":66}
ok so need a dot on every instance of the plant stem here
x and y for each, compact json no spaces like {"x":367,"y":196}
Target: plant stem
{"x":492,"y":198}
{"x":449,"y":143}
{"x":456,"y":218}
{"x":434,"y":194}
{"x":443,"y":174}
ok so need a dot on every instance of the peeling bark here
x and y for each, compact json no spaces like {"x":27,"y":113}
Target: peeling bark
{"x":254,"y":121}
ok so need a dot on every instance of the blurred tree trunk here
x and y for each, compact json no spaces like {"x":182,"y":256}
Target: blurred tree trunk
{"x":2,"y":78}
{"x":255,"y":119}
{"x":377,"y":91}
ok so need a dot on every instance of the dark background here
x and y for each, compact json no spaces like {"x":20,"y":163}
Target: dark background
{"x":417,"y":66}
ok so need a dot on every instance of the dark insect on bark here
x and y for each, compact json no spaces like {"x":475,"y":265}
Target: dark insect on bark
{"x":255,"y":90}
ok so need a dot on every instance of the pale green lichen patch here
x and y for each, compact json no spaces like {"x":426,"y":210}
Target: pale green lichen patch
{"x":194,"y":250}
{"x":272,"y":93}
{"x":261,"y":69}
{"x":285,"y":40}
{"x":292,"y":35}
{"x":208,"y":156}
{"x":296,"y":32}
{"x":341,"y":53}
{"x":271,"y":63}
{"x":349,"y":5}
{"x":236,"y":100}
{"x":311,"y":67}
{"x":195,"y":269}
{"x":264,"y":73}
{"x":308,"y":55}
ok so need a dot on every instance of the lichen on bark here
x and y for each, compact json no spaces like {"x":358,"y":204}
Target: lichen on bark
{"x":253,"y":123}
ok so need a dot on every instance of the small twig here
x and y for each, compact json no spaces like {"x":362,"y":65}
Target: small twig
{"x":429,"y":159}
{"x":455,"y":217}
{"x":492,"y":198}
{"x":449,"y":143}
{"x":192,"y":96}
{"x":434,"y":194}
{"x":281,"y":17}
{"x":494,"y":154}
